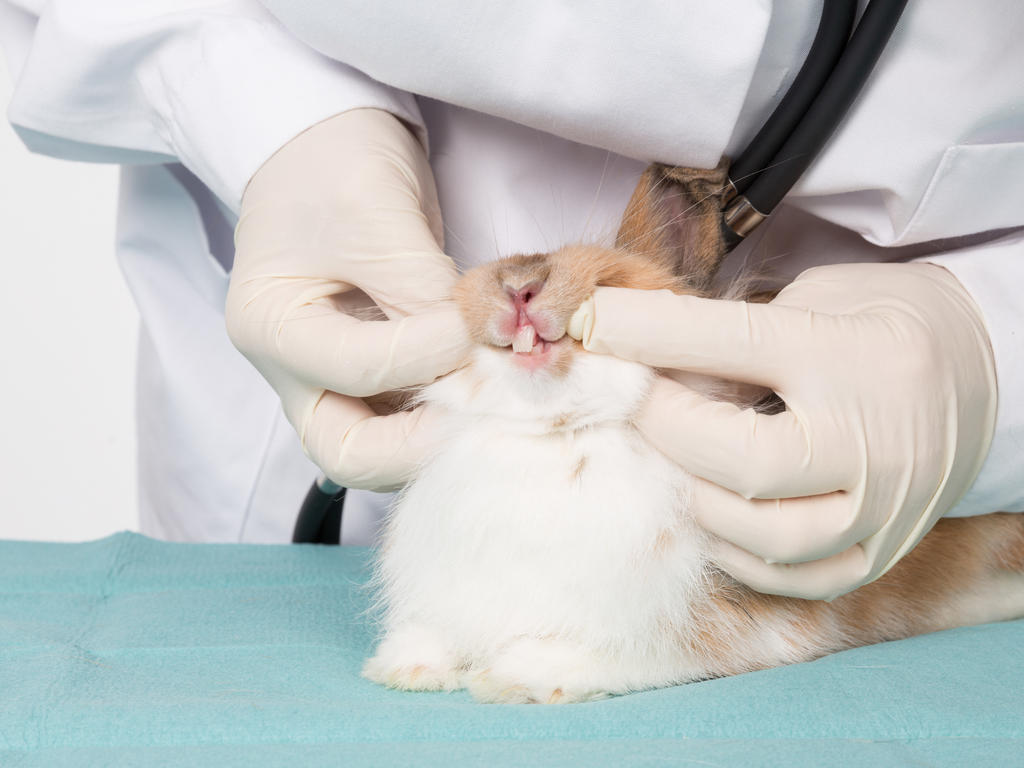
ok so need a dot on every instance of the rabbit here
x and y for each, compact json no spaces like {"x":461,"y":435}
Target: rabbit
{"x":546,"y":554}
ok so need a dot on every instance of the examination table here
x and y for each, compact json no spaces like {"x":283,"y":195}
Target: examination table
{"x":129,"y":651}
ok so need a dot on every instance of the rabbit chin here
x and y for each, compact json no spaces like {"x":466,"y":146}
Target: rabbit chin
{"x":565,"y":388}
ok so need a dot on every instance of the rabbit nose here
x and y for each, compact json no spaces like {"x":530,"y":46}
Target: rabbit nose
{"x":521,"y":297}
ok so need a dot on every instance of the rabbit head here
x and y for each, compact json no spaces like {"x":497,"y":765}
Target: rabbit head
{"x":517,"y":309}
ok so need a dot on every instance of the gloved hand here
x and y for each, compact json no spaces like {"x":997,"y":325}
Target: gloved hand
{"x":339,"y":291}
{"x":889,"y":383}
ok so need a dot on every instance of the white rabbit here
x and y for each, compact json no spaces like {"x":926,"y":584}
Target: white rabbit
{"x":546,"y":552}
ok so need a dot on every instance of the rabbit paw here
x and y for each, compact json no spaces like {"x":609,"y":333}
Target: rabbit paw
{"x":531,"y":671}
{"x":413,"y":658}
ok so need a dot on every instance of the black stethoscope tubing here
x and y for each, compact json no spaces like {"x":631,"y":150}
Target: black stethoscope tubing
{"x":828,"y":83}
{"x":837,"y":17}
{"x":319,"y":520}
{"x":798,"y":130}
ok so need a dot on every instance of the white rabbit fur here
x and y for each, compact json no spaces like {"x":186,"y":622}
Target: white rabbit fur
{"x":546,"y":552}
{"x":577,"y":588}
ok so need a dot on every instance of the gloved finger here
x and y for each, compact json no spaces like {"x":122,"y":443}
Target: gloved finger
{"x":333,"y":351}
{"x":358,"y":449}
{"x":404,"y":238}
{"x":824,"y":579}
{"x":792,"y":530}
{"x":755,"y":343}
{"x":360,"y":233}
{"x":753,"y":454}
{"x":273,"y":258}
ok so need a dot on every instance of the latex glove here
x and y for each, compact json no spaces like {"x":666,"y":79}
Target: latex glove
{"x":889,"y":383}
{"x":339,"y":291}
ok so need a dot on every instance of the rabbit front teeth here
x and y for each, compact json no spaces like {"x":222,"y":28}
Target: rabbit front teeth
{"x":524,"y":339}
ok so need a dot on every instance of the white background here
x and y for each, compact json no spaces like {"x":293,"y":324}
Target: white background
{"x":68,"y":332}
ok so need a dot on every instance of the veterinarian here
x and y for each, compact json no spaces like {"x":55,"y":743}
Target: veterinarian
{"x":904,"y":383}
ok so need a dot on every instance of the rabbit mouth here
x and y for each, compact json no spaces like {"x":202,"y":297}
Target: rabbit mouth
{"x":528,"y":342}
{"x":532,"y":353}
{"x":543,"y":355}
{"x":539,"y":349}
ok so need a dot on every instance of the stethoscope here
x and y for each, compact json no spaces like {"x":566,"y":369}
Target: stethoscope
{"x":832,"y":75}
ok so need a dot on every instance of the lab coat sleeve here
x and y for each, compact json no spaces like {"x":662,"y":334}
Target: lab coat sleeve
{"x":218,"y":85}
{"x":994,"y":276}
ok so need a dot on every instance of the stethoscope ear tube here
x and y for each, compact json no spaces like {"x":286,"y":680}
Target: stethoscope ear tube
{"x":760,"y":196}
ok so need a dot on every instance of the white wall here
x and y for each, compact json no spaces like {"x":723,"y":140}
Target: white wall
{"x":68,"y":332}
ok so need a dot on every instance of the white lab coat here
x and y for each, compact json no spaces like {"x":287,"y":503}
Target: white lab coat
{"x":559,"y":108}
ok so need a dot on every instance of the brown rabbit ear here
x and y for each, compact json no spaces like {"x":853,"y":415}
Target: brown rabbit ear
{"x":674,"y":216}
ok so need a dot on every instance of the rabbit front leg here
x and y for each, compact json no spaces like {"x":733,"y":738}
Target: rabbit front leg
{"x":414,"y":657}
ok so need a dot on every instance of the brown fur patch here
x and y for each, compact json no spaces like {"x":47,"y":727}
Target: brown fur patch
{"x":674,"y":217}
{"x":916,"y":596}
{"x":664,"y":540}
{"x":579,"y":469}
{"x":1009,"y":553}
